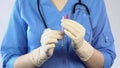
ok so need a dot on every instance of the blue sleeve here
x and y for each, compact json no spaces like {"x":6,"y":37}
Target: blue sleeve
{"x":102,"y":36}
{"x":15,"y":41}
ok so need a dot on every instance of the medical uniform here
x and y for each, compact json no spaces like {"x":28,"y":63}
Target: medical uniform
{"x":26,"y":27}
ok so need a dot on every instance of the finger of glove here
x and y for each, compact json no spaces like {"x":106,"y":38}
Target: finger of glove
{"x":69,"y":34}
{"x":74,"y":38}
{"x":81,"y":30}
{"x":52,"y":31}
{"x":70,"y":29}
{"x":72,"y":23}
{"x":45,"y":50}
{"x":52,"y":35}
{"x":50,"y":41}
{"x":50,"y":49}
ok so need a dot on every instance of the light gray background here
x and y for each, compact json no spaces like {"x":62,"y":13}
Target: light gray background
{"x":113,"y":10}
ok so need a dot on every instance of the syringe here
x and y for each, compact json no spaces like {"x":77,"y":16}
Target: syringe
{"x":66,"y":17}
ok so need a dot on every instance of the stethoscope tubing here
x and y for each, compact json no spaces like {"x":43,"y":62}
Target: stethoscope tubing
{"x":73,"y":12}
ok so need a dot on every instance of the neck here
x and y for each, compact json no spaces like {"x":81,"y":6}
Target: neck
{"x":59,"y":4}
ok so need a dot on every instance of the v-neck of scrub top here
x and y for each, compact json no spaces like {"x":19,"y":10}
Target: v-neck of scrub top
{"x":49,"y":3}
{"x":50,"y":11}
{"x":66,"y":7}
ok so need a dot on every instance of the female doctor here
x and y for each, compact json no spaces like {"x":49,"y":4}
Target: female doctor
{"x":34,"y":40}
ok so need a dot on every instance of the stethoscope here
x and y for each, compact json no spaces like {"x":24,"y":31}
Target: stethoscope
{"x":79,"y":3}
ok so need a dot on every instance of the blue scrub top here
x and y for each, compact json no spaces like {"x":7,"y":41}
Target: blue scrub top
{"x":26,"y":27}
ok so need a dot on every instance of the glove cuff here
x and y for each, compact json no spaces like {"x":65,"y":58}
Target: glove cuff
{"x":36,"y":56}
{"x":85,"y":51}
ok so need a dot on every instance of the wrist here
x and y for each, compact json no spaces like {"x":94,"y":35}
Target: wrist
{"x":37,"y":57}
{"x":85,"y":51}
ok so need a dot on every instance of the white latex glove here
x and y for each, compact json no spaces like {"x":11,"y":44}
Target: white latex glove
{"x":77,"y":32}
{"x":48,"y":42}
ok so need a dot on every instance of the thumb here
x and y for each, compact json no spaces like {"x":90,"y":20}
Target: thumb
{"x":50,"y":50}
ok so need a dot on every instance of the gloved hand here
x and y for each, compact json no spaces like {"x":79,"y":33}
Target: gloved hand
{"x":77,"y":32}
{"x":48,"y":42}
